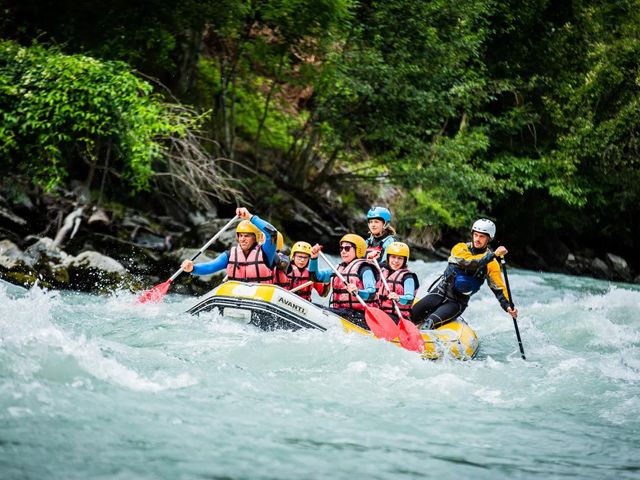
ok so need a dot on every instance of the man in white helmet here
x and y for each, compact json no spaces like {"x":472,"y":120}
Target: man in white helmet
{"x":470,"y":264}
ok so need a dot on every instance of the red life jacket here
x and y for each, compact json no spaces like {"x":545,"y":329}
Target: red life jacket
{"x":250,"y":268}
{"x":395,"y":280}
{"x":298,"y":277}
{"x":280,"y":278}
{"x":341,"y":298}
{"x":377,"y":244}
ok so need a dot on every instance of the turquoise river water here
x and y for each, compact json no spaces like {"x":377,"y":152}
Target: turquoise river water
{"x":101,"y":387}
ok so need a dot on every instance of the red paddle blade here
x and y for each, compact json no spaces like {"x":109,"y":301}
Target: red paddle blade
{"x":381,"y":324}
{"x":155,"y":294}
{"x":410,"y":337}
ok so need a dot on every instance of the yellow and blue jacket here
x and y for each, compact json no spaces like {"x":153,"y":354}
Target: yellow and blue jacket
{"x":467,"y":271}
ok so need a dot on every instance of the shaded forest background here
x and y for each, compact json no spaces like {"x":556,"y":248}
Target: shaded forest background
{"x":523,"y":111}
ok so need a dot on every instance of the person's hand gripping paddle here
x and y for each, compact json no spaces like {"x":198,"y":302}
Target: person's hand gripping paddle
{"x":157,"y":293}
{"x":381,"y":324}
{"x":410,"y":337}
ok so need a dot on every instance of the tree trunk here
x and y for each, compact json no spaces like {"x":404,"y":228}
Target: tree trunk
{"x":190,"y":47}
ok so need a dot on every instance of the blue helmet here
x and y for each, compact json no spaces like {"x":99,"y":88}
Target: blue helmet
{"x":379,"y":212}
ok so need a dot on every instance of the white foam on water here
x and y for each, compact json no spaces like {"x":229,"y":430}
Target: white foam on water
{"x":280,"y":404}
{"x":28,"y":323}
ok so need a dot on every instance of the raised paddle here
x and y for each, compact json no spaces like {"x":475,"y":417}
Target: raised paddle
{"x":410,"y":337}
{"x":158,"y":292}
{"x":515,"y":323}
{"x":378,"y":321}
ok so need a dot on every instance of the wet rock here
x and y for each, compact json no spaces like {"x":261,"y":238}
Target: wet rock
{"x":147,"y":238}
{"x":576,"y":264}
{"x":586,"y":263}
{"x":12,"y":258}
{"x":11,"y":235}
{"x":134,"y":219}
{"x":619,"y":266}
{"x":91,"y":271}
{"x":225,"y":241}
{"x":91,"y":259}
{"x":44,"y":250}
{"x":443,"y":253}
{"x":555,"y":251}
{"x":172,"y":225}
{"x":9,"y":249}
{"x":532,"y":259}
{"x":600,"y":269}
{"x":137,"y":260}
{"x":17,"y":267}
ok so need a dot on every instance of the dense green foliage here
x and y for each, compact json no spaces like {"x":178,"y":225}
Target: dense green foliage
{"x":526,"y":111}
{"x":57,"y":109}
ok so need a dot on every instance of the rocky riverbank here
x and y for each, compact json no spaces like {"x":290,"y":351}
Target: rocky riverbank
{"x":64,"y":241}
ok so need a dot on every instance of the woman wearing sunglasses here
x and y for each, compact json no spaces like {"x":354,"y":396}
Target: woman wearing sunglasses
{"x":360,"y":275}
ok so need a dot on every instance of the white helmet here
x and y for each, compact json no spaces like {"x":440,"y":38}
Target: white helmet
{"x":485,"y":225}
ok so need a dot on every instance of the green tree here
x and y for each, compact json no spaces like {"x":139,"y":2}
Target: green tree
{"x":69,"y":114}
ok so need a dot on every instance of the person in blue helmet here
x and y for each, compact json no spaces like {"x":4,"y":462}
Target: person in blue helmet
{"x":381,"y":232}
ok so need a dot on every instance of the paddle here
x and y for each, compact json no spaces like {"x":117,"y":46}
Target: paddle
{"x":157,"y":293}
{"x":410,"y":337}
{"x":515,"y":323}
{"x":300,"y":287}
{"x":378,"y":321}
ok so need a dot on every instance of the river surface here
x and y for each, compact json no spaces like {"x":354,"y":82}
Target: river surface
{"x":101,"y":387}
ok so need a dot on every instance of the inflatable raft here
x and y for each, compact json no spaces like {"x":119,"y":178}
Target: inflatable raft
{"x":270,"y":307}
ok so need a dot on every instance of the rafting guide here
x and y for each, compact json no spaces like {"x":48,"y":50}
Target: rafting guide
{"x":470,"y":265}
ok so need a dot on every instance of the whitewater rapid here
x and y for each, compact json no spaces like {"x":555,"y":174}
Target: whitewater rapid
{"x":102,"y":387}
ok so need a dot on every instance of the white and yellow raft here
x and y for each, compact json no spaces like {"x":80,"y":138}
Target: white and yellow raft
{"x":270,"y":307}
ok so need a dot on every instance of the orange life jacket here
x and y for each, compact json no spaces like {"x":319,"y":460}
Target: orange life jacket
{"x":395,"y":280}
{"x":250,"y":268}
{"x":341,"y":298}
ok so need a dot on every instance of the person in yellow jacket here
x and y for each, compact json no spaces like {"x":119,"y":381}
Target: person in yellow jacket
{"x":470,"y":264}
